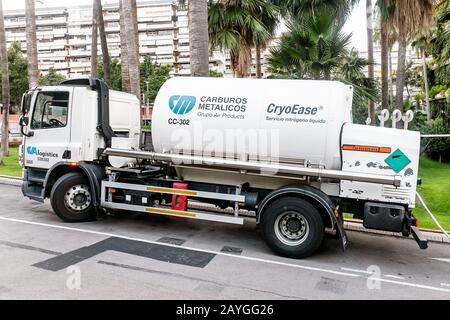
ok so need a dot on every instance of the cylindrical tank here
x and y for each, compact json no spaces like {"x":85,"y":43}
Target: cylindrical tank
{"x":286,"y":121}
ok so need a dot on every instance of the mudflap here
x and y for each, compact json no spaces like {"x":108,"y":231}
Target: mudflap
{"x":341,"y":234}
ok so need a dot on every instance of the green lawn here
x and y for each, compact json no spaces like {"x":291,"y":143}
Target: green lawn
{"x":435,"y":188}
{"x":11,"y":165}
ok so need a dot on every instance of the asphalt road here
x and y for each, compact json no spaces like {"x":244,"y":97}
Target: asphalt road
{"x":154,"y":257}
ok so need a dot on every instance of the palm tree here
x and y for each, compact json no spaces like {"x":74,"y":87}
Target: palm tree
{"x":198,"y":37}
{"x":104,"y":43}
{"x":4,"y":151}
{"x":270,"y":21}
{"x":235,"y":26}
{"x":124,"y":52}
{"x":421,"y":43}
{"x":409,"y":17}
{"x":132,"y":46}
{"x":32,"y":52}
{"x":440,"y":44}
{"x":295,"y":9}
{"x":369,"y":10}
{"x":386,"y":39}
{"x":94,"y":43}
{"x":315,"y":47}
{"x":385,"y":92}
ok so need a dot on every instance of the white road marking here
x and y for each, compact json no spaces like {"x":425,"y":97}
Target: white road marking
{"x":394,"y":277}
{"x":370,"y":273}
{"x":176,"y":246}
{"x":409,"y":284}
{"x":445,"y":284}
{"x":228,"y":255}
{"x":356,"y":270}
{"x":442,"y":259}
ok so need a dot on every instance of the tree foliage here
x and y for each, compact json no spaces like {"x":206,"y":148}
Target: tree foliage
{"x":116,"y":73}
{"x":153,"y":77}
{"x":18,"y":81}
{"x":440,"y":44}
{"x":52,"y":78}
{"x":237,"y":26}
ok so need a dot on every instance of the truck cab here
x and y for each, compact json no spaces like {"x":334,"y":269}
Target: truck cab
{"x":70,"y":124}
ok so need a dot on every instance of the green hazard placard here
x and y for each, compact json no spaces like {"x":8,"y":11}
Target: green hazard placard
{"x":397,"y":160}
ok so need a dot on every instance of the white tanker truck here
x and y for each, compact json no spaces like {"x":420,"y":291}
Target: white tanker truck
{"x":283,"y":151}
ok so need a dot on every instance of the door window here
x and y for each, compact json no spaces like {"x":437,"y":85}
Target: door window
{"x":51,"y":110}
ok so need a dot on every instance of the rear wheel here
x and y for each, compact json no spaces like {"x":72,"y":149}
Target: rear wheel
{"x":292,"y":227}
{"x":71,"y":198}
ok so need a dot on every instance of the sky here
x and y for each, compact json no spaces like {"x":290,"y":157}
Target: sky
{"x":356,"y":24}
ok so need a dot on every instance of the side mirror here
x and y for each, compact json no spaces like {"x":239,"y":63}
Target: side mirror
{"x":26,"y":101}
{"x":24,"y":121}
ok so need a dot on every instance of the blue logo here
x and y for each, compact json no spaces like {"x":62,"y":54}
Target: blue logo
{"x":182,"y":104}
{"x":32,"y":151}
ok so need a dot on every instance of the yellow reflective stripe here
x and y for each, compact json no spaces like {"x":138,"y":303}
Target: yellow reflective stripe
{"x":171,"y":212}
{"x":174,"y":191}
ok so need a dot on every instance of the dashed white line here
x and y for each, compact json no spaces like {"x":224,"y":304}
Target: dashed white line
{"x":409,"y":284}
{"x":445,"y":284}
{"x":442,"y":259}
{"x":394,"y":277}
{"x":356,"y":270}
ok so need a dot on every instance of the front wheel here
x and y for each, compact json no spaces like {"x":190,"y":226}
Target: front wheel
{"x":71,"y":198}
{"x":292,"y":227}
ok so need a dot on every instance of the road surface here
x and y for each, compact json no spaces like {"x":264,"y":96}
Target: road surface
{"x":154,"y":257}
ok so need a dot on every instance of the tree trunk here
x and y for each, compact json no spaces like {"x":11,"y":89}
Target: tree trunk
{"x":198,"y":37}
{"x":258,"y":62}
{"x":104,"y":44}
{"x":4,"y":149}
{"x":425,"y":81}
{"x":391,"y":82}
{"x":32,"y":52}
{"x":384,"y":67}
{"x":371,"y":106}
{"x":400,"y":85}
{"x":132,"y":45}
{"x":124,"y":52}
{"x":94,"y":43}
{"x":136,"y":29}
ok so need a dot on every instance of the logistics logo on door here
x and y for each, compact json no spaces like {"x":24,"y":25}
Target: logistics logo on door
{"x":182,"y":105}
{"x":32,"y":151}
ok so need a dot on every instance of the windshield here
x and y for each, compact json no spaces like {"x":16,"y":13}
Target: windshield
{"x":51,"y":110}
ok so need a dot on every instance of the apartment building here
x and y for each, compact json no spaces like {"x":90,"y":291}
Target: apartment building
{"x":64,"y":36}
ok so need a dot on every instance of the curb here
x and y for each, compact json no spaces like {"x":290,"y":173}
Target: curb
{"x":349,"y":224}
{"x":430,"y":236}
{"x":12,"y":181}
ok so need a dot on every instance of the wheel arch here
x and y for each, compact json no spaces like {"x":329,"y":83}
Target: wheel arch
{"x":314,"y":196}
{"x":93,"y":172}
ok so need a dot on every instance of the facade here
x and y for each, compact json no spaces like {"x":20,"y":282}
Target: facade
{"x":64,"y":36}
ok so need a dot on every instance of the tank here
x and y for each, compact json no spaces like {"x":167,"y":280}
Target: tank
{"x":283,"y":121}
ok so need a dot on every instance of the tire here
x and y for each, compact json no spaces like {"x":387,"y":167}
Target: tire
{"x":292,"y":227}
{"x":67,"y":198}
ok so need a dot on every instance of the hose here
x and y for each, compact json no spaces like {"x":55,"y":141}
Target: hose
{"x":431,"y":215}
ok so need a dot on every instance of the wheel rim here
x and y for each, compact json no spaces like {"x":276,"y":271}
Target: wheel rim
{"x":291,"y":228}
{"x":78,"y":198}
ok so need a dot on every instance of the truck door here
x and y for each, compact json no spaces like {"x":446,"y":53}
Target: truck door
{"x":49,"y":129}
